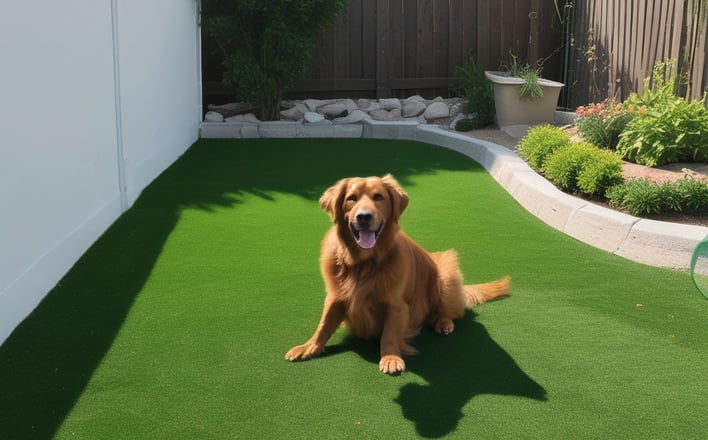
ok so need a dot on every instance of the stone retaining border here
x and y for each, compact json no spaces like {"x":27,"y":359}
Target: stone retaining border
{"x":651,"y":242}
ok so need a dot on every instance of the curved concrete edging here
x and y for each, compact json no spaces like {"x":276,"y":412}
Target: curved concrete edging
{"x":651,"y":242}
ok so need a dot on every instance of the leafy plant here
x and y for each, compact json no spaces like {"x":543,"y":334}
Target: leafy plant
{"x":642,"y":196}
{"x":693,"y":194}
{"x":676,"y":132}
{"x":540,"y":142}
{"x":602,"y":123}
{"x":602,"y":171}
{"x":671,"y":129}
{"x":266,"y":45}
{"x":530,"y":89}
{"x":565,"y":165}
{"x":467,"y":124}
{"x":478,"y":92}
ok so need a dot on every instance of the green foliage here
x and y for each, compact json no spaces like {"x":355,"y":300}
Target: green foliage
{"x":694,"y":195}
{"x":467,"y":124}
{"x":667,"y":129}
{"x":540,"y":142}
{"x":266,"y":45}
{"x":603,"y":171}
{"x":675,"y":132}
{"x":564,"y":165}
{"x":530,"y":89}
{"x":478,"y":92}
{"x":602,"y":123}
{"x":642,"y":196}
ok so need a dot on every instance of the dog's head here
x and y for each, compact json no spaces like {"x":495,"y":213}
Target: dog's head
{"x":368,"y":208}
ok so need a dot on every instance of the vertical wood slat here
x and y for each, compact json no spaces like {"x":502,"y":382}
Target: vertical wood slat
{"x":628,"y":39}
{"x":383,"y":49}
{"x":393,"y":47}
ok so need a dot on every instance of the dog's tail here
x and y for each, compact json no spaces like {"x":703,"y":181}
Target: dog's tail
{"x":481,"y":293}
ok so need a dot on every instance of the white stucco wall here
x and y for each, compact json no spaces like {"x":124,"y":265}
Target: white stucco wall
{"x":63,"y":127}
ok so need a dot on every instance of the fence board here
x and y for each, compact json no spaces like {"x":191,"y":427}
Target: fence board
{"x":602,"y":48}
{"x":618,"y":43}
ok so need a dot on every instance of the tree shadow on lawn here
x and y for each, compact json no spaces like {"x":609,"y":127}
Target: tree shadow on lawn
{"x":457,"y":368}
{"x":46,"y":364}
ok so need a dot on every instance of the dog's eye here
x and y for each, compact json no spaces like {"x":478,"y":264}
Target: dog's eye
{"x":378,"y":197}
{"x":351,"y":198}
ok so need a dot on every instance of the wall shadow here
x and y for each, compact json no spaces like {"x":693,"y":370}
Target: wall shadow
{"x":47,"y":362}
{"x":457,"y":368}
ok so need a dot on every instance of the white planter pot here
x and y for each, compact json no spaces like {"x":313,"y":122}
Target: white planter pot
{"x":512,"y":110}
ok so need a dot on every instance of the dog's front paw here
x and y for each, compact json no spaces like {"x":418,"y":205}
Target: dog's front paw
{"x":444,"y":326}
{"x":303,"y":352}
{"x":392,"y":364}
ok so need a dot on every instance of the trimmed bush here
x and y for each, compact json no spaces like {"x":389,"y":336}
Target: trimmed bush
{"x":601,"y":172}
{"x":565,"y":164}
{"x":540,"y":143}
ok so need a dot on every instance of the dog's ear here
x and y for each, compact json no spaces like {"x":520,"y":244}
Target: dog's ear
{"x":332,"y":198}
{"x":398,"y":196}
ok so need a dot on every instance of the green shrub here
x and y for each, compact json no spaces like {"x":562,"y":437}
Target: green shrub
{"x":602,"y":123}
{"x":540,"y":142}
{"x":565,"y":164}
{"x":637,"y":196}
{"x":677,"y":132}
{"x":467,"y":124}
{"x":602,"y":171}
{"x":693,"y":194}
{"x":266,"y":46}
{"x":666,"y":129}
{"x":478,"y":92}
{"x":641,"y":196}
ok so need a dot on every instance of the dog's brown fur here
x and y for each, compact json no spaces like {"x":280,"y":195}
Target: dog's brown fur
{"x":388,"y":289}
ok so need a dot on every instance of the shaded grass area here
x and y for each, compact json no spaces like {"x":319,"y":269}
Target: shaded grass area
{"x":175,"y":323}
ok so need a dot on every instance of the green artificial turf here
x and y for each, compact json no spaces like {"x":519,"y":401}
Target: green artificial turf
{"x":175,"y":323}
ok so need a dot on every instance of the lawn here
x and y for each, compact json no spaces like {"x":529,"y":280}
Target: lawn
{"x":175,"y":323}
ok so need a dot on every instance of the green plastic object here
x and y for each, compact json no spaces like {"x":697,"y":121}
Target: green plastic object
{"x":699,"y":267}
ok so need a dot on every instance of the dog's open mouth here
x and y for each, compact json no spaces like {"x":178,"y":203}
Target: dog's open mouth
{"x":365,"y":238}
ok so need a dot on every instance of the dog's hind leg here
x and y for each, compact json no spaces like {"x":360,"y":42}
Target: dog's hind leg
{"x":452,"y":300}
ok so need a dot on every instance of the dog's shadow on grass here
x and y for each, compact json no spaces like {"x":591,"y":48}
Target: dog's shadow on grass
{"x":457,"y":368}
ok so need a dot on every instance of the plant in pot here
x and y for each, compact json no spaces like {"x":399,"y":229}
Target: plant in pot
{"x":521,"y":97}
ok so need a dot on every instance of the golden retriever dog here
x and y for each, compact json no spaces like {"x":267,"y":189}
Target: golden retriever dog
{"x":379,"y":282}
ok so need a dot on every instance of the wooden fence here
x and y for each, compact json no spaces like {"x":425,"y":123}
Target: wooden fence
{"x":396,"y":48}
{"x":598,"y":48}
{"x":385,"y":48}
{"x":614,"y":46}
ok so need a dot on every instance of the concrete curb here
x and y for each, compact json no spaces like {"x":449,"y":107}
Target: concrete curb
{"x":655,"y":243}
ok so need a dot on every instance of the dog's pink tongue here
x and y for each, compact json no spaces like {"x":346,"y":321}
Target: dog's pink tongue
{"x":367,"y":239}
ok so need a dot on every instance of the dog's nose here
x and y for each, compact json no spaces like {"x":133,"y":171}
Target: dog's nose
{"x":364,"y":217}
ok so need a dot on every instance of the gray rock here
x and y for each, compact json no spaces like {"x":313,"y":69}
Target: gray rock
{"x":212,"y":116}
{"x":313,"y":117}
{"x":295,"y":113}
{"x":411,"y":109}
{"x":415,"y":98}
{"x":248,"y":118}
{"x":333,"y":110}
{"x":436,"y":110}
{"x":386,"y":115}
{"x":390,"y":103}
{"x":350,"y":105}
{"x":353,"y":117}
